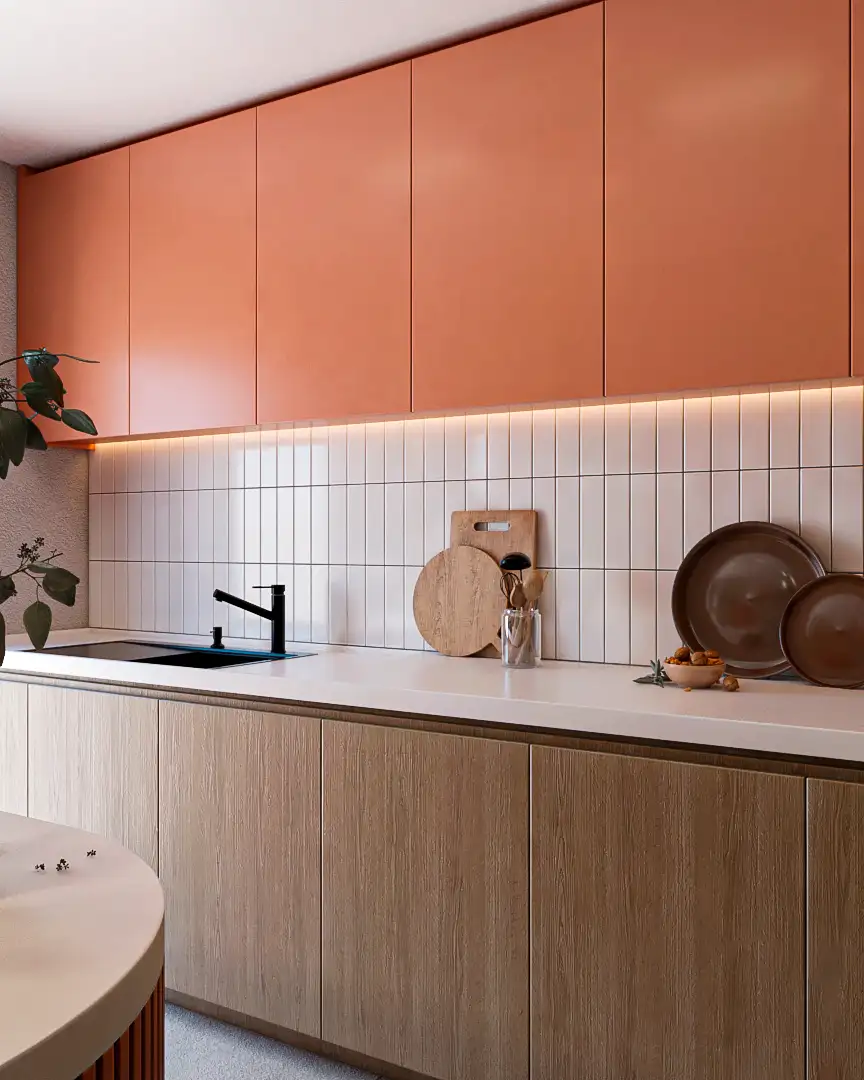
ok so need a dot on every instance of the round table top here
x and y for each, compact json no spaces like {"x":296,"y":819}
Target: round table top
{"x":80,"y":949}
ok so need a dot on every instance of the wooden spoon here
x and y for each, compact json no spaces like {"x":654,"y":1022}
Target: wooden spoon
{"x":533,"y":586}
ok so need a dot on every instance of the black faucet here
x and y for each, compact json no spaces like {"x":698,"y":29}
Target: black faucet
{"x":276,"y":615}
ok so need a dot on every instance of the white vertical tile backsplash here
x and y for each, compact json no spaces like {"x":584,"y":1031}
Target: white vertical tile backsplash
{"x":345,"y":516}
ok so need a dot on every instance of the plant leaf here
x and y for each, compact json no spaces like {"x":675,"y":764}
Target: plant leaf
{"x":80,"y":359}
{"x":37,"y":623}
{"x":35,"y":438}
{"x":60,"y":584}
{"x":39,"y":356}
{"x":41,"y":364}
{"x":78,"y":420}
{"x":39,"y":402}
{"x":7,"y":588}
{"x":39,"y":568}
{"x":2,"y":638}
{"x":13,"y":434}
{"x":4,"y":464}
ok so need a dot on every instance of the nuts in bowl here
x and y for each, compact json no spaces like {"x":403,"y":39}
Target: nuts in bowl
{"x":693,"y":669}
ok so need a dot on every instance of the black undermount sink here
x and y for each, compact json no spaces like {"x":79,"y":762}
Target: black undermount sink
{"x":152,"y":652}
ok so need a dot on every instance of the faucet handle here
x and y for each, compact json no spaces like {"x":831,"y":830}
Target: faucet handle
{"x":276,"y":590}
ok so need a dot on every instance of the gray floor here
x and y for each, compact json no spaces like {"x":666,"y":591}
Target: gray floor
{"x":198,"y":1048}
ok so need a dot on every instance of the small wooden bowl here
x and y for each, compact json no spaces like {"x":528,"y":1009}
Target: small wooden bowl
{"x":697,"y":677}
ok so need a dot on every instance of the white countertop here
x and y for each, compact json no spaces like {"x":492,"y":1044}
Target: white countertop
{"x":776,"y":717}
{"x":80,"y":950}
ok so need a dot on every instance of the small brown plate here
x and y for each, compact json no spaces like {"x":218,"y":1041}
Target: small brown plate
{"x":732,"y":589}
{"x":822,"y":632}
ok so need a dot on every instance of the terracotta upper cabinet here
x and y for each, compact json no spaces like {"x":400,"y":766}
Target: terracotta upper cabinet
{"x":858,"y":188}
{"x":334,"y":250}
{"x":508,"y":216}
{"x":727,"y":193}
{"x":73,"y":283}
{"x":192,"y":277}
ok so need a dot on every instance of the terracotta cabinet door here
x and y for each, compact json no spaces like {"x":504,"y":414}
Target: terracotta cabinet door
{"x":667,"y":916}
{"x":508,"y":216}
{"x":192,"y":278}
{"x":858,"y":187}
{"x":334,"y":250}
{"x":73,"y":283}
{"x":727,"y":193}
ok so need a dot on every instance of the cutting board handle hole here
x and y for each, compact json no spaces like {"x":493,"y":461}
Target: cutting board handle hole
{"x":491,"y":526}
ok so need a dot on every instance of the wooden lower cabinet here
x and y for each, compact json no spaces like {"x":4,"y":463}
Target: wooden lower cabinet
{"x":835,"y":925}
{"x":425,"y":900}
{"x":13,"y":748}
{"x":92,"y":764}
{"x":667,"y":913}
{"x":240,"y":831}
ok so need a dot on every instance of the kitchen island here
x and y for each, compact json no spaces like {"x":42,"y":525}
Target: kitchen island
{"x":81,"y":954}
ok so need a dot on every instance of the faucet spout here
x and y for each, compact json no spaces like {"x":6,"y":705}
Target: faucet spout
{"x":276,"y":615}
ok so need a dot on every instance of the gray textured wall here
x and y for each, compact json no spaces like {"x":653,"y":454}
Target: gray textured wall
{"x":47,"y":495}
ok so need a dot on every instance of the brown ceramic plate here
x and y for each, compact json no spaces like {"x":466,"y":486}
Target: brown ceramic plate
{"x":732,"y":589}
{"x":822,"y":632}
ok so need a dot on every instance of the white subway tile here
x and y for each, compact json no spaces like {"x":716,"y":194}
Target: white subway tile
{"x":236,"y":459}
{"x":162,"y":526}
{"x":356,"y":524}
{"x":546,"y":608}
{"x":175,"y":597}
{"x":394,"y":451}
{"x":475,"y":447}
{"x":543,"y":450}
{"x":236,"y":525}
{"x":356,"y":605}
{"x":454,"y":448}
{"x":847,"y":436}
{"x":320,"y":456}
{"x":617,"y":439}
{"x":95,"y":527}
{"x":175,"y":464}
{"x":375,"y":604}
{"x":414,"y":525}
{"x":221,"y":524}
{"x":543,"y":495}
{"x":643,"y":437}
{"x":413,"y":639}
{"x":94,"y":599}
{"x":161,"y":465}
{"x":815,"y":427}
{"x":133,"y":524}
{"x":338,"y":496}
{"x":148,"y":465}
{"x":846,"y":519}
{"x":191,"y":463}
{"x":592,"y":512}
{"x":725,"y":432}
{"x":107,"y":468}
{"x":670,"y":436}
{"x":784,"y":449}
{"x":107,"y":574}
{"x":302,"y":603}
{"x":784,"y":486}
{"x":252,"y":522}
{"x":567,"y":442}
{"x":617,"y":643}
{"x":175,"y":526}
{"x":206,"y":461}
{"x":567,"y":621}
{"x":697,"y":508}
{"x":697,"y":434}
{"x":617,"y":518}
{"x":285,"y":535}
{"x":643,"y":617}
{"x":303,"y":526}
{"x":521,"y":494}
{"x":321,"y":602}
{"x":338,"y":455}
{"x":148,"y":595}
{"x":338,"y":614}
{"x":592,"y":435}
{"x":133,"y":466}
{"x":302,"y":459}
{"x":285,"y":576}
{"x":269,"y":458}
{"x":320,"y":511}
{"x":498,"y":494}
{"x":475,"y":495}
{"x":725,"y":499}
{"x":643,"y":521}
{"x":394,"y":524}
{"x":498,"y":446}
{"x":567,"y":533}
{"x":133,"y":596}
{"x":121,"y":596}
{"x":394,"y":607}
{"x":269,"y":526}
{"x":374,"y":453}
{"x":285,"y":457}
{"x":120,"y":527}
{"x":148,"y":526}
{"x":206,"y":585}
{"x":668,"y":639}
{"x":375,"y":524}
{"x":815,"y":511}
{"x":191,"y":527}
{"x":94,"y":471}
{"x":520,"y":444}
{"x":221,"y":461}
{"x":435,"y":535}
{"x":433,"y":449}
{"x":120,"y":461}
{"x":190,"y":598}
{"x":670,"y":520}
{"x":754,"y":495}
{"x":414,"y":440}
{"x":754,"y":431}
{"x":592,"y":612}
{"x":356,"y":438}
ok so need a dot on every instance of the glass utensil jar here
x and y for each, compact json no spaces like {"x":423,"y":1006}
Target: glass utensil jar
{"x":520,"y":637}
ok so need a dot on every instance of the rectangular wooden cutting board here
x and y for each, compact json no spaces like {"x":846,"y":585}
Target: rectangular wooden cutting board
{"x":497,"y":532}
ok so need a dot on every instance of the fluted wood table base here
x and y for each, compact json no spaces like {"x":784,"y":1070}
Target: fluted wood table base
{"x":139,"y":1053}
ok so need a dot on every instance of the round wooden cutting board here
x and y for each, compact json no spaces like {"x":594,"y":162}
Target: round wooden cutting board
{"x":458,"y":601}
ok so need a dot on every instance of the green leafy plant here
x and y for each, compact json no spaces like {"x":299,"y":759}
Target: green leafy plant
{"x":43,"y":394}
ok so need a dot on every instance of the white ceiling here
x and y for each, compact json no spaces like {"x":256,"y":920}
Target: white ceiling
{"x":78,"y":75}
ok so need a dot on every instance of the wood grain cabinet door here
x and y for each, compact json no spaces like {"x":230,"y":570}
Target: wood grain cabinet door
{"x":727,"y":193}
{"x":334,"y":250}
{"x":425,"y":900}
{"x":835,"y":883}
{"x":667,"y":920}
{"x":93,"y":761}
{"x":73,"y":283}
{"x":192,"y":277}
{"x":13,"y":748}
{"x":239,"y":852}
{"x":508,"y":216}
